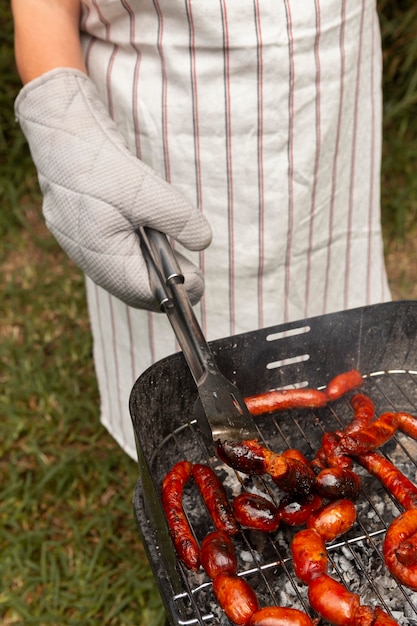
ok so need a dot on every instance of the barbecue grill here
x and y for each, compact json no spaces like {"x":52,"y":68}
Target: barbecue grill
{"x":381,"y":342}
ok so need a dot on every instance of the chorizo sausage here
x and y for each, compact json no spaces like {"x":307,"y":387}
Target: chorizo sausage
{"x":215,"y":498}
{"x":363,"y":413}
{"x":391,"y":477}
{"x":172,"y":490}
{"x":284,"y":399}
{"x":332,"y":600}
{"x":280,"y":616}
{"x":295,"y":512}
{"x":331,"y":453}
{"x":403,"y":527}
{"x":407,"y":551}
{"x":217,"y":554}
{"x":244,"y":456}
{"x":372,"y":436}
{"x":338,"y":482}
{"x":309,"y":555}
{"x":333,"y":519}
{"x":256,"y":512}
{"x":342,"y":383}
{"x":290,"y":474}
{"x":236,"y":597}
{"x":408,"y":424}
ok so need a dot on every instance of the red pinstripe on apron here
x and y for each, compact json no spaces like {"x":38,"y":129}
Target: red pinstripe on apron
{"x":267,"y":115}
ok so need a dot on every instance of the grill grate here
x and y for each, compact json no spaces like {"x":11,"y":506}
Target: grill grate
{"x":264,"y":560}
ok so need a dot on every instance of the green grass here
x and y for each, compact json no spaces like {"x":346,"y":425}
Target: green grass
{"x":69,"y":550}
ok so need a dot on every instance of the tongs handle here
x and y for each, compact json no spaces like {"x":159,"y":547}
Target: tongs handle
{"x":167,"y":282}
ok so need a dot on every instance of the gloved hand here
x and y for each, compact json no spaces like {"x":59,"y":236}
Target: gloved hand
{"x":97,"y":193}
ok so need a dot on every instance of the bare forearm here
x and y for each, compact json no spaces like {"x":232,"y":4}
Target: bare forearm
{"x":46,"y":36}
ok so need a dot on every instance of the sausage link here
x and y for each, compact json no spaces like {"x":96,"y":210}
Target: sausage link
{"x":236,"y":597}
{"x":408,"y":424}
{"x":333,"y":519}
{"x":218,"y":555}
{"x":289,"y":474}
{"x":280,"y":616}
{"x":215,"y":498}
{"x":391,"y":477}
{"x":403,"y":527}
{"x":285,"y":399}
{"x":172,"y":490}
{"x":256,"y":512}
{"x":342,"y":383}
{"x":372,"y":436}
{"x":296,"y":511}
{"x":309,"y":555}
{"x":333,"y":601}
{"x":335,"y":482}
{"x":244,"y":456}
{"x":364,"y":411}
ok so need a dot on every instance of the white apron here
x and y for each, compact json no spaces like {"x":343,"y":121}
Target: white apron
{"x":266,"y":114}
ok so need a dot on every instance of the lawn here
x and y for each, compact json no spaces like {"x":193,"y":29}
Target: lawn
{"x":70,"y":553}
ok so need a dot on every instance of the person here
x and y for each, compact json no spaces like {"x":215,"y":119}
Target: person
{"x":248,"y":131}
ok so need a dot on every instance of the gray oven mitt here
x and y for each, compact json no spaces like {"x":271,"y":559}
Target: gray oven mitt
{"x":97,"y":193}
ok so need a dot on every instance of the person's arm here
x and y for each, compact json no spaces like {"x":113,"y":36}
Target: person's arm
{"x":47,"y":36}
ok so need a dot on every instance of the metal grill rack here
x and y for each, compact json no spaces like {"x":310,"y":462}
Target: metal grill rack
{"x":308,"y":353}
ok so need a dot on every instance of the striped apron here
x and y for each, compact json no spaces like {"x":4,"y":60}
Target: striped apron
{"x":266,"y":114}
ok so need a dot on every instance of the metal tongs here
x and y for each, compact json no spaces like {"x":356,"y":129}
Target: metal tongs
{"x":221,"y":412}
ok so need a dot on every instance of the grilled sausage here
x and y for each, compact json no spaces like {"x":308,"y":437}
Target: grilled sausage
{"x":218,"y":555}
{"x":342,"y":383}
{"x":372,"y":436}
{"x":403,"y":527}
{"x":256,"y":512}
{"x":214,"y":496}
{"x":295,"y":512}
{"x":408,"y":424}
{"x":172,"y":490}
{"x":333,"y":519}
{"x":309,"y":555}
{"x":331,"y":453}
{"x":244,"y":456}
{"x":284,"y":399}
{"x":280,"y":616}
{"x":236,"y":597}
{"x":333,"y":601}
{"x":391,"y":477}
{"x":364,"y":411}
{"x":338,"y":482}
{"x":290,"y":474}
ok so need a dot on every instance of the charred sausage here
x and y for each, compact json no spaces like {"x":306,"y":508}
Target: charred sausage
{"x":338,"y":482}
{"x":295,"y":512}
{"x":372,"y":436}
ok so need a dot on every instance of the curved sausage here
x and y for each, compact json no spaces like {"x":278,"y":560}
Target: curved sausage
{"x":236,"y":597}
{"x":280,"y":616}
{"x":335,"y":482}
{"x":342,"y":383}
{"x":331,"y":453}
{"x":172,"y":490}
{"x":372,"y":436}
{"x":364,"y":411}
{"x":215,"y":498}
{"x":309,"y":555}
{"x":333,"y":519}
{"x":256,"y":512}
{"x":284,"y":399}
{"x":403,"y":527}
{"x":217,"y":554}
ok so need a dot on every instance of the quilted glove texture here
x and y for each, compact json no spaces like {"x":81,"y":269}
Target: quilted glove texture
{"x":96,"y":193}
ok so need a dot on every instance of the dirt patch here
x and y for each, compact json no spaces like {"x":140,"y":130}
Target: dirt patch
{"x":401,"y":261}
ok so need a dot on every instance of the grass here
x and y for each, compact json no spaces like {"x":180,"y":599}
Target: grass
{"x":70,"y":553}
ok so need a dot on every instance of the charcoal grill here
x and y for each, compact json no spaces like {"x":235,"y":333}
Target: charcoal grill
{"x":380,"y":341}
